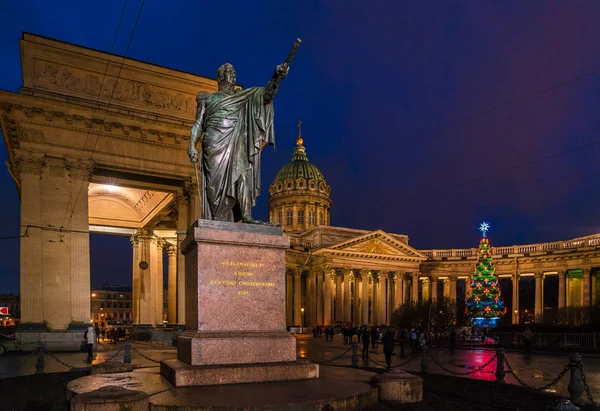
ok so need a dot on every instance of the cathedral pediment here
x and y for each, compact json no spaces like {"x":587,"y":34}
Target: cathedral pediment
{"x":376,"y":244}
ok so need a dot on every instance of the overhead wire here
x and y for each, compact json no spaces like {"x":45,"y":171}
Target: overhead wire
{"x":96,"y":104}
{"x":108,"y":104}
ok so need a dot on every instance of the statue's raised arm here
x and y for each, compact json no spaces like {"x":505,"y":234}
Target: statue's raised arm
{"x":281,"y":72}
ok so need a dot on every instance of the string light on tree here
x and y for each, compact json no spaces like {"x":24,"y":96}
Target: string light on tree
{"x":484,"y":303}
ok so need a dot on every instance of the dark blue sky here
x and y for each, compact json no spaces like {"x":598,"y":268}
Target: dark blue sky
{"x":375,"y":86}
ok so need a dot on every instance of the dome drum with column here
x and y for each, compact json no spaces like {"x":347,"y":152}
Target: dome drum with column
{"x":299,"y":195}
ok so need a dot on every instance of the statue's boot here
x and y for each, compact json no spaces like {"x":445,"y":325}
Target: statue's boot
{"x":250,"y":220}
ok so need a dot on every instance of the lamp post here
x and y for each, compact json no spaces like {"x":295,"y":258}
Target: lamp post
{"x":302,"y":321}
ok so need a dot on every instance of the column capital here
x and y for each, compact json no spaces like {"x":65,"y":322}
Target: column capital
{"x":539,"y":274}
{"x":434,"y":278}
{"x":562,"y":273}
{"x":453,"y":278}
{"x":171,"y":249}
{"x":27,"y":162}
{"x":586,"y":270}
{"x":79,"y":169}
{"x":415,"y":274}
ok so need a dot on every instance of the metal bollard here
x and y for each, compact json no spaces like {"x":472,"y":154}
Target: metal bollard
{"x":127,"y":352}
{"x":500,"y":365}
{"x":576,"y":384}
{"x":424,"y":358}
{"x":355,"y":355}
{"x":40,"y":364}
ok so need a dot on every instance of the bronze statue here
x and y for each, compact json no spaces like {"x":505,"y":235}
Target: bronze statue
{"x":237,"y":125}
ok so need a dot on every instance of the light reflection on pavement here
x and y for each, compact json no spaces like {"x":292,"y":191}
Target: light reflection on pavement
{"x":535,"y":370}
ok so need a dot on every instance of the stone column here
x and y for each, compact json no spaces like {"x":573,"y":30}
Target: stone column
{"x":327,"y":296}
{"x":319,"y":287}
{"x":453,"y":280}
{"x":397,"y":290}
{"x":415,"y":288}
{"x":356,"y":307}
{"x":338,"y":298}
{"x":311,"y":314}
{"x":425,"y":290}
{"x":365,"y":296}
{"x":374,"y":299}
{"x":594,"y":286}
{"x":539,"y":296}
{"x":467,"y":285}
{"x":172,"y":284}
{"x":147,"y":250}
{"x":347,"y":298}
{"x":586,"y":286}
{"x":447,"y":288}
{"x":30,"y":167}
{"x":405,"y":288}
{"x":158,"y":282}
{"x":182,"y":219}
{"x":382,"y":297}
{"x":289,"y":298}
{"x":561,"y":288}
{"x":297,"y":298}
{"x":434,"y":287}
{"x":515,"y":292}
{"x":79,"y":173}
{"x":136,"y":279}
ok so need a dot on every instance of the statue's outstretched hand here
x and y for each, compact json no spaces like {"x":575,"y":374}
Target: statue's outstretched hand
{"x":193,"y":153}
{"x":282,"y":70}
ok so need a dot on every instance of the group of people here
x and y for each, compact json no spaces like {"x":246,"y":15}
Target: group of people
{"x":112,"y":334}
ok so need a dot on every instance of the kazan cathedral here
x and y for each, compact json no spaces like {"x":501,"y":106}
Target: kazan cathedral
{"x":338,"y":274}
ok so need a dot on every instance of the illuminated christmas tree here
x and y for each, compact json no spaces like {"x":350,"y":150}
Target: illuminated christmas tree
{"x":484,"y":303}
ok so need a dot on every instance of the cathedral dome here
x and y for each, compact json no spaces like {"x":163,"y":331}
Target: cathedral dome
{"x":299,"y":195}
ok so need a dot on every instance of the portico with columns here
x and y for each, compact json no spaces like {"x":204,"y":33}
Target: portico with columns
{"x":94,"y":154}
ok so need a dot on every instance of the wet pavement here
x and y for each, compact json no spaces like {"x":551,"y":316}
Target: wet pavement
{"x":15,"y":364}
{"x":534,"y":370}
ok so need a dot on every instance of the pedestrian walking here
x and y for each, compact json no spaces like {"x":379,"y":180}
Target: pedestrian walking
{"x":388,"y":347}
{"x":90,"y":337}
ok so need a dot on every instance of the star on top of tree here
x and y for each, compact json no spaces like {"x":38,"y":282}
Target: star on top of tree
{"x":484,"y":227}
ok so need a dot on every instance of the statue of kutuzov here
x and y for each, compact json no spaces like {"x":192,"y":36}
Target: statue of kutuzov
{"x":237,"y":125}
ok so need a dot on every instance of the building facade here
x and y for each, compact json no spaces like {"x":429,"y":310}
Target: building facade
{"x":13,"y":305}
{"x":336,"y":274}
{"x":113,"y":306}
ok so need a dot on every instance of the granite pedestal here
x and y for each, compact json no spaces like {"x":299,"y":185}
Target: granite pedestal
{"x":235,"y":308}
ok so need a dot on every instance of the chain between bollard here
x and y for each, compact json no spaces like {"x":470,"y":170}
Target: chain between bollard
{"x":543,"y":387}
{"x":145,"y":356}
{"x":403,"y":363}
{"x":586,"y":386}
{"x":333,"y":359}
{"x":475,"y":369}
{"x":112,"y":357}
{"x":70,"y":367}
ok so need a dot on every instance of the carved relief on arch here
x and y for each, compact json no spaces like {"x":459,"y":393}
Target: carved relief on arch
{"x":54,"y":76}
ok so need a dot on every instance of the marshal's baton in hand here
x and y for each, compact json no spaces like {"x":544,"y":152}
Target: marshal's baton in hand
{"x":292,"y":53}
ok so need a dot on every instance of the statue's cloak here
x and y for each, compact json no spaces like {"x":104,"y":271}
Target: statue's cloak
{"x":236,"y":128}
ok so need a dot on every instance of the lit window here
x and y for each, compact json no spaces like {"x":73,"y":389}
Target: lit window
{"x":289,"y":217}
{"x":311,"y":217}
{"x":300,"y":216}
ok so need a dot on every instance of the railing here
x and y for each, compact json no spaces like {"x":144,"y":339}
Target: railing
{"x":300,"y":243}
{"x":517,"y":249}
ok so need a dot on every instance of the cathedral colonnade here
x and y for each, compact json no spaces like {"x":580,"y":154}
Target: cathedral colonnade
{"x":329,"y":296}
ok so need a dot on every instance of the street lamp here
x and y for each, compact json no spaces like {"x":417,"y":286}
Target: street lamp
{"x":302,"y":321}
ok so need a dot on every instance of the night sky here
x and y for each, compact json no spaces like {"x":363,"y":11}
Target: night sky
{"x":419,"y":114}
